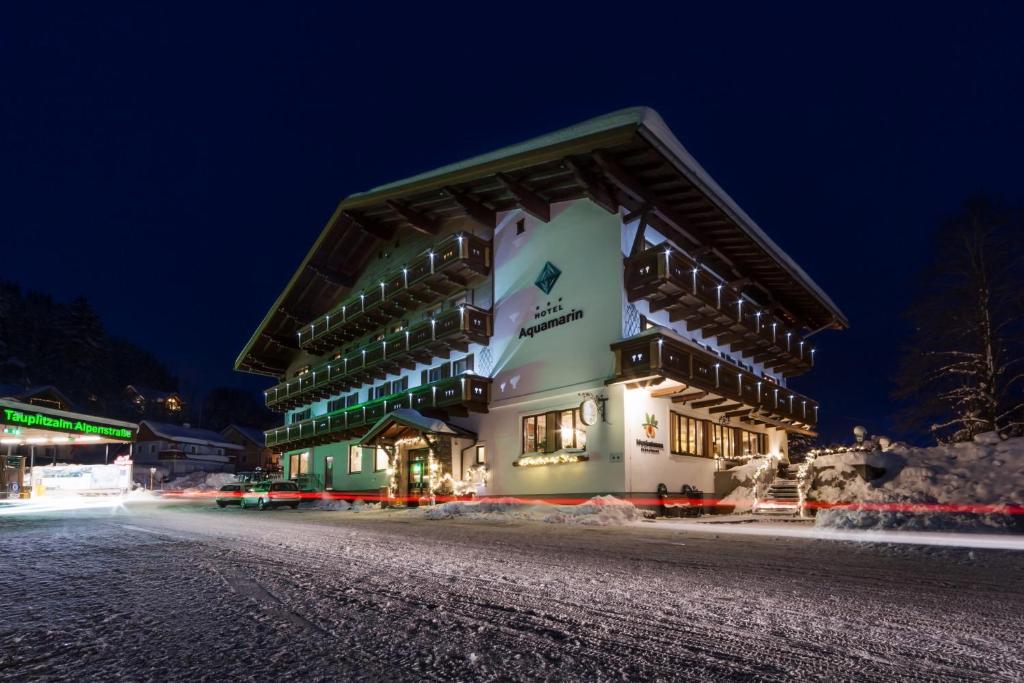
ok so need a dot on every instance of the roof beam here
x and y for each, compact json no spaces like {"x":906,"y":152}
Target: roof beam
{"x":476,"y":210}
{"x":668,"y":391}
{"x":738,"y":413}
{"x":418,"y":220}
{"x":724,"y":408}
{"x":528,"y":200}
{"x":281,"y":340}
{"x":708,"y":403}
{"x":689,"y":397}
{"x":370,"y":227}
{"x":633,"y":187}
{"x":592,"y":187}
{"x":333,"y":278}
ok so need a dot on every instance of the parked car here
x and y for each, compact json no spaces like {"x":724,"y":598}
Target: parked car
{"x":271,"y":494}
{"x":231,"y":494}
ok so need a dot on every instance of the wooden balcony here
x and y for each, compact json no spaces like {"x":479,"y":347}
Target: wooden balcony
{"x":708,"y":381}
{"x":454,"y":396}
{"x":670,"y":281}
{"x":451,"y":331}
{"x":453,"y":264}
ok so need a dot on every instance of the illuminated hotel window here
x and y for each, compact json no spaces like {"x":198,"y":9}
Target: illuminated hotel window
{"x":298,"y":464}
{"x":553,"y":431}
{"x":380,"y":460}
{"x":481,"y":455}
{"x":687,"y":435}
{"x":355,"y":459}
{"x":723,"y":441}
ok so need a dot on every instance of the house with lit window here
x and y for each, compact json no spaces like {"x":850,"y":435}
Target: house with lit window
{"x":586,"y":312}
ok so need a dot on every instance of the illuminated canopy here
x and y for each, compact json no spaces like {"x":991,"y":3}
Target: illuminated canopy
{"x":25,"y":423}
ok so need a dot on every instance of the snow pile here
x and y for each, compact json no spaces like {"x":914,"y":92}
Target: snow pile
{"x":201,"y":481}
{"x":987,"y":472}
{"x":598,"y":511}
{"x":343,"y":505}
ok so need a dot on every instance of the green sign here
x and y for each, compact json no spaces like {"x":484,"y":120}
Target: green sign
{"x":61,"y":424}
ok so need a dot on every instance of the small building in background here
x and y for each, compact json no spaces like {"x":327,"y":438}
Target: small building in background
{"x":255,"y":453}
{"x":155,"y":403}
{"x":46,"y":396}
{"x":176,"y":450}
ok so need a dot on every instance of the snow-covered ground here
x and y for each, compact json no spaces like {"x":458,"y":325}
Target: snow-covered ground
{"x":976,"y":485}
{"x":186,"y":591}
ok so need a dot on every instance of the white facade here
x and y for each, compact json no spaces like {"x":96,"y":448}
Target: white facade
{"x":547,"y":352}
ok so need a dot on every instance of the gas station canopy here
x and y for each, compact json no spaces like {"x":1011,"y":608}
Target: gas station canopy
{"x":28,"y":424}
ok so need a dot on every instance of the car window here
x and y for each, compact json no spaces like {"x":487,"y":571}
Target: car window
{"x":229,"y":487}
{"x":284,"y":486}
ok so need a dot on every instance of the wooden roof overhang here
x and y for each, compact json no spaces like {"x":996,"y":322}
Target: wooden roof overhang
{"x":628,"y":165}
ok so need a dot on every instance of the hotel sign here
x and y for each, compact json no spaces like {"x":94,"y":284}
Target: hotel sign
{"x":62,"y":424}
{"x":551,"y":315}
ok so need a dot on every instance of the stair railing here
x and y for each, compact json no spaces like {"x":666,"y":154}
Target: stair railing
{"x":764,"y":477}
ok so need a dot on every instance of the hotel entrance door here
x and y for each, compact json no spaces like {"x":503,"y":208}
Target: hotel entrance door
{"x":417,"y":474}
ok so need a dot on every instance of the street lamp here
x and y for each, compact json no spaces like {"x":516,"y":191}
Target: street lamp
{"x":152,"y":475}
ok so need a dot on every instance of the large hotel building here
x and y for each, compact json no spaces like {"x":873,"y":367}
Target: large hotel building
{"x":586,"y":312}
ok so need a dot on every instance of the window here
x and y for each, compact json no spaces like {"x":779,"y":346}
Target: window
{"x":298,"y":464}
{"x":329,"y":473}
{"x":520,"y":226}
{"x":753,"y":443}
{"x":723,"y":443}
{"x":381,"y":391}
{"x":463,"y":365}
{"x":481,"y":455}
{"x":646,"y":324}
{"x":687,"y":435}
{"x":398,"y":328}
{"x":300,"y":415}
{"x":343,"y":402}
{"x":355,"y":459}
{"x":553,"y":431}
{"x":380,"y":460}
{"x":432,"y":313}
{"x":304,"y":370}
{"x":399,"y":385}
{"x":437,"y":373}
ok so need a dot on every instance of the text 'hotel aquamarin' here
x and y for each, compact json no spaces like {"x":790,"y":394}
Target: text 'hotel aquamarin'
{"x":587,"y":312}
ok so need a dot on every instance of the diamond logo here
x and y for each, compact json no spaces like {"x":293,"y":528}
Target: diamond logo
{"x":547,"y":278}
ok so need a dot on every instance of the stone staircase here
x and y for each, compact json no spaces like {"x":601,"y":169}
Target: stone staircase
{"x":782,"y":498}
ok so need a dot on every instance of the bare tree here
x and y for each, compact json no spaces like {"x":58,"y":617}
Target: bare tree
{"x":963,"y":370}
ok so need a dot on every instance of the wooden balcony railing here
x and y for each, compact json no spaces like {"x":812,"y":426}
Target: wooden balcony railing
{"x":669,"y":280}
{"x":456,"y":262}
{"x":747,"y":396}
{"x":452,"y":330}
{"x":466,"y":392}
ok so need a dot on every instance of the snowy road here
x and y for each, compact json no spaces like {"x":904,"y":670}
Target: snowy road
{"x":188,"y":592}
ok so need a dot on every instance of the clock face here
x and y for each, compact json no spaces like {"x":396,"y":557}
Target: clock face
{"x":588,"y":411}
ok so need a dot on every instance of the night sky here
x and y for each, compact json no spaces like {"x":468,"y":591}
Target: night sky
{"x":174,"y":164}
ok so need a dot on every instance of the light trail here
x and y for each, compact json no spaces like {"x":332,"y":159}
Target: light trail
{"x":647,"y":501}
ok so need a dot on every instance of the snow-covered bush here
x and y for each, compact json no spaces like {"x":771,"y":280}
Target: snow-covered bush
{"x":598,"y":511}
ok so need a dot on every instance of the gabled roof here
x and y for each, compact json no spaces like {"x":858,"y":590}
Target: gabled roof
{"x":182,"y":434}
{"x":21,"y":393}
{"x":404,"y":422}
{"x":256,"y":436}
{"x":627,"y":159}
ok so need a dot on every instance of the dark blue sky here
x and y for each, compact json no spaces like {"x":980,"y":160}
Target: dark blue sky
{"x":173,"y":164}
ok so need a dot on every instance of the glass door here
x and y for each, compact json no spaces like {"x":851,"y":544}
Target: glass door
{"x":329,"y":473}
